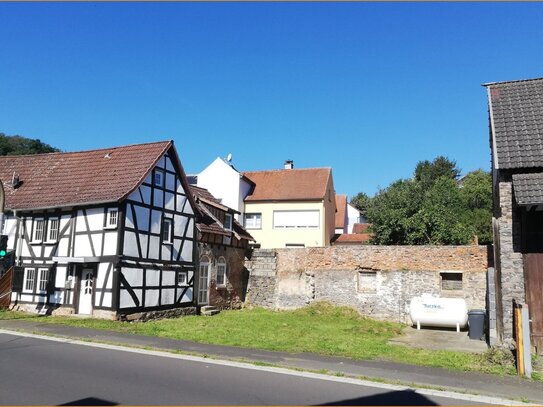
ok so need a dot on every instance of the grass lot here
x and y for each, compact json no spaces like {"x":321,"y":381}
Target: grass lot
{"x":319,"y":328}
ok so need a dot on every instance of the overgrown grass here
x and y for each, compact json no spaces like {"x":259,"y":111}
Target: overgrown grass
{"x":319,"y":328}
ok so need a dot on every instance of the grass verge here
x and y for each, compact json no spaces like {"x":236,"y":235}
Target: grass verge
{"x":319,"y":328}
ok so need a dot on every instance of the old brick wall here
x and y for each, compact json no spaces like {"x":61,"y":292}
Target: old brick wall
{"x":232,"y":295}
{"x":292,"y":278}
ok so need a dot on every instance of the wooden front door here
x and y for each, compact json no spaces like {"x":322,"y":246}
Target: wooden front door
{"x":85,"y":291}
{"x":533,"y":280}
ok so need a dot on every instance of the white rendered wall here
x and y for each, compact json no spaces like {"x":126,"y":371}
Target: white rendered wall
{"x":224,"y":183}
{"x":353,"y":214}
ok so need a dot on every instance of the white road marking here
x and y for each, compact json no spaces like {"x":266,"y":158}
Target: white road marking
{"x":279,"y":370}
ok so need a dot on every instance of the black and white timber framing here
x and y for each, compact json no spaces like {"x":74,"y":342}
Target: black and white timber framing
{"x":134,"y":255}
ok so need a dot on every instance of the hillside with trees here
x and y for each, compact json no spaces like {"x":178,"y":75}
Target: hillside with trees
{"x":434,"y":207}
{"x":18,"y":145}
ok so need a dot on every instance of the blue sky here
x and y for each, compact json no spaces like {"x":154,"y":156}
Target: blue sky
{"x":368,"y":89}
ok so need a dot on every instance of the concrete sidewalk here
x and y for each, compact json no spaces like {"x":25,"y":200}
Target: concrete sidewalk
{"x":472,"y":383}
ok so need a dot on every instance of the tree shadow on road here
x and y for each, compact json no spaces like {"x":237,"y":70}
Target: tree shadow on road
{"x":90,"y":401}
{"x":393,"y":398}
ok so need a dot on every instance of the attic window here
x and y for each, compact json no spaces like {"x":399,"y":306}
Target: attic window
{"x":159,"y":178}
{"x":228,"y":221}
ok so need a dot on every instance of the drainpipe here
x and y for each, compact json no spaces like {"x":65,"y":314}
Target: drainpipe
{"x":2,"y":202}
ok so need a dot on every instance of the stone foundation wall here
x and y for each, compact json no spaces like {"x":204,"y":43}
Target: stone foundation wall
{"x":379,"y":281}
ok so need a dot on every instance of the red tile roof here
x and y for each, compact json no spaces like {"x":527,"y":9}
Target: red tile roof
{"x":78,"y":178}
{"x":361,"y":227}
{"x":341,"y":206}
{"x":289,"y":185}
{"x":207,"y":223}
{"x":353,"y":238}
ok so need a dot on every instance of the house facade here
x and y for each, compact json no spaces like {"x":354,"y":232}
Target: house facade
{"x":107,"y":232}
{"x":222,"y":248}
{"x":291,"y":207}
{"x":516,"y":140}
{"x":226,"y":183}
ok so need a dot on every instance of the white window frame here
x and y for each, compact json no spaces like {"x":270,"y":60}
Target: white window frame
{"x":169,"y":222}
{"x":182,"y":278}
{"x":221,"y":264}
{"x":297,"y":226}
{"x":159,"y":182}
{"x":109,"y":217}
{"x":42,"y":282}
{"x":228,"y":222}
{"x":26,"y":279}
{"x":35,"y":230}
{"x":50,"y":229}
{"x":255,"y":220}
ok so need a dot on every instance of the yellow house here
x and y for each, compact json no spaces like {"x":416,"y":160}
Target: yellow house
{"x":291,"y":207}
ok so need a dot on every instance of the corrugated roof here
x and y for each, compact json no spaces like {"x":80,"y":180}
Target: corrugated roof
{"x":78,"y":178}
{"x":516,"y":111}
{"x":528,"y":188}
{"x":289,"y":185}
{"x":341,"y":206}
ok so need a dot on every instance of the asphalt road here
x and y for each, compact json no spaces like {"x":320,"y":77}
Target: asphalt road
{"x":42,"y":372}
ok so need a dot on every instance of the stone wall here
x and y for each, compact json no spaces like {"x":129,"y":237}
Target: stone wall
{"x":509,"y":267}
{"x":379,"y":281}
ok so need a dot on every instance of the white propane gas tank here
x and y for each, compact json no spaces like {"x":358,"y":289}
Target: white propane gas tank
{"x":436,"y":311}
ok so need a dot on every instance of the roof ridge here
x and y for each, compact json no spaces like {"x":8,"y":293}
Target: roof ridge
{"x":286,"y":169}
{"x":513,"y":81}
{"x":86,"y":151}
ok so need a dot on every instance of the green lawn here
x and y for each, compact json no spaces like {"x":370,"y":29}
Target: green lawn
{"x":319,"y":328}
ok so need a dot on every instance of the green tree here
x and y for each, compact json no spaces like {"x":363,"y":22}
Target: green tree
{"x":391,"y":211}
{"x":361,"y":201}
{"x":433,"y":208}
{"x":427,"y":173}
{"x":476,"y":195}
{"x":18,"y":145}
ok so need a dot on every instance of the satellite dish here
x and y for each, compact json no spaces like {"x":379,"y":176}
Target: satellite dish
{"x":229,"y":157}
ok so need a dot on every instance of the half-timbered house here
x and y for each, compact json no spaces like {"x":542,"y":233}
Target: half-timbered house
{"x":107,"y":232}
{"x":222,"y":247}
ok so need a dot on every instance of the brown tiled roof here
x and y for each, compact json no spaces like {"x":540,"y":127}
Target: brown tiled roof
{"x":206,"y":196}
{"x":353,"y":238}
{"x":361,"y":227}
{"x":341,"y":206}
{"x":516,"y":113}
{"x":289,"y":185}
{"x":206,"y":222}
{"x":78,"y":178}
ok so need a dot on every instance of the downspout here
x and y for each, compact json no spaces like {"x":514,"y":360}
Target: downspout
{"x":2,"y":203}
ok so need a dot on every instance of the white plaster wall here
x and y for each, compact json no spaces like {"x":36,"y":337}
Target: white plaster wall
{"x":352,"y":214}
{"x":223,"y":182}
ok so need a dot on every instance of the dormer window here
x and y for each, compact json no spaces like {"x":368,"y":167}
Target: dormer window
{"x":112,"y":218}
{"x":159,"y":178}
{"x":228,"y":221}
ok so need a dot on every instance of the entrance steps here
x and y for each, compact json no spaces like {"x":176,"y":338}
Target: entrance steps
{"x":209,"y":310}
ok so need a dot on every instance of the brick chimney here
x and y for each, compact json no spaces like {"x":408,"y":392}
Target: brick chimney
{"x":289,"y":164}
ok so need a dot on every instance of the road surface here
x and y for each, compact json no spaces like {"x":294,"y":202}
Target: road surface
{"x":44,"y":372}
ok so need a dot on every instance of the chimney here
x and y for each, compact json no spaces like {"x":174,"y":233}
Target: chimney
{"x":289,"y":164}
